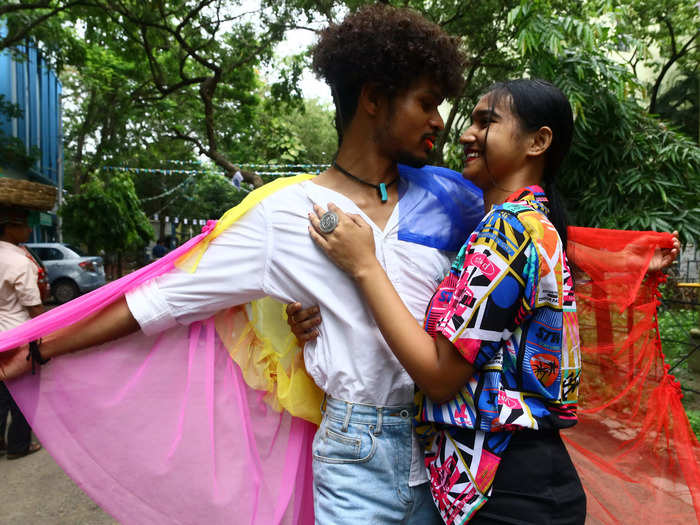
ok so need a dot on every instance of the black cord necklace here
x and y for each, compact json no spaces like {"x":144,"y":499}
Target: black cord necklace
{"x":381,"y":187}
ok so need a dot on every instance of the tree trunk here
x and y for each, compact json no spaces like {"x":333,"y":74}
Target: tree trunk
{"x":85,"y":127}
{"x":666,"y":67}
{"x":206,"y":93}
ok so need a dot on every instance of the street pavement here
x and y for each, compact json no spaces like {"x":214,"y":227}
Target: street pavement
{"x":35,"y":491}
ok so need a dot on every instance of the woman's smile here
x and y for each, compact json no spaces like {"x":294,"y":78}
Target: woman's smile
{"x":472,"y":155}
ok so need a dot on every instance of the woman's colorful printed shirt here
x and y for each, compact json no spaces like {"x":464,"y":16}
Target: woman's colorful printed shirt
{"x":508,"y":306}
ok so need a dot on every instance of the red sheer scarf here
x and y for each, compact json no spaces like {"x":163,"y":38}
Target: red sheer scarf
{"x":633,"y":447}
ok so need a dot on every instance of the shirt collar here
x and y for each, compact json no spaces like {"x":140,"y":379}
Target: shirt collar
{"x":9,"y":246}
{"x":532,"y":196}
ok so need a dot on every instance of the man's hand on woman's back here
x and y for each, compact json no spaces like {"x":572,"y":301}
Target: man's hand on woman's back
{"x":303,"y":322}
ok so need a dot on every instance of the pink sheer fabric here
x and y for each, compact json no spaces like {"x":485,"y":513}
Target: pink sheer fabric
{"x":164,"y":428}
{"x":75,"y":311}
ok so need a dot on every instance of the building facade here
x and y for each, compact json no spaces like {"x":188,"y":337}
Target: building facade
{"x":28,"y":83}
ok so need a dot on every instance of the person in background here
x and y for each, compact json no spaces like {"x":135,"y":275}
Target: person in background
{"x":159,"y":250}
{"x":237,"y":179}
{"x":20,"y":300}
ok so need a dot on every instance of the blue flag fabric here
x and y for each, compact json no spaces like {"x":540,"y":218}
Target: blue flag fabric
{"x":441,"y":210}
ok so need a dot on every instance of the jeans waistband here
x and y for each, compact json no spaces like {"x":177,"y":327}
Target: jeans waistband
{"x":367,"y":414}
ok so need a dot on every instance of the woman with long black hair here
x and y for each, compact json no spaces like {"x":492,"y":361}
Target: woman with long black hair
{"x":498,"y":361}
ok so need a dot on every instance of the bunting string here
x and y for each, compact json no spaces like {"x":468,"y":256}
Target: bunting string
{"x":170,"y":191}
{"x":303,"y":166}
{"x":173,"y":162}
{"x":198,"y":168}
{"x":276,"y":169}
{"x":272,"y":169}
{"x":162,"y":171}
{"x":182,"y":162}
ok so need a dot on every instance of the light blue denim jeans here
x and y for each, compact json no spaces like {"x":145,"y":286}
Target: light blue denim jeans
{"x":361,"y":463}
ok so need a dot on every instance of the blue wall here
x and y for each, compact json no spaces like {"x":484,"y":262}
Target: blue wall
{"x":26,"y":80}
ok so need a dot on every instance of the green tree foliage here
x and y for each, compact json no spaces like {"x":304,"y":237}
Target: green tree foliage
{"x":659,"y":40}
{"x":212,"y":196}
{"x":106,"y":216}
{"x":627,"y":169}
{"x":106,"y":118}
{"x":183,"y":69}
{"x":42,"y":21}
{"x":314,"y":126}
{"x":659,"y":35}
{"x":155,"y":189}
{"x":306,"y":135}
{"x":300,"y":133}
{"x":206,"y":195}
{"x":146,"y":73}
{"x":680,"y":103}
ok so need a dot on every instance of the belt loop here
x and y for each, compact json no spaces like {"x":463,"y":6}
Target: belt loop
{"x":380,"y":417}
{"x":324,"y":402}
{"x":348,"y":413}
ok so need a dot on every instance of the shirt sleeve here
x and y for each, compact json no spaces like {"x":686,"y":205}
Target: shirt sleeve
{"x":232,"y":271}
{"x":25,"y":284}
{"x":487,"y":303}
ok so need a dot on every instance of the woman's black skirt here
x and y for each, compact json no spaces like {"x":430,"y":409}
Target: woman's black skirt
{"x":536,"y":484}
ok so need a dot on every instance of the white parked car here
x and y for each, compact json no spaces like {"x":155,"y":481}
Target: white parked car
{"x":69,"y":271}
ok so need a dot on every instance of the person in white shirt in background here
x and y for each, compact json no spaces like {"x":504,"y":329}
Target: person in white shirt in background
{"x":20,"y":300}
{"x":389,"y":70}
{"x":237,"y":179}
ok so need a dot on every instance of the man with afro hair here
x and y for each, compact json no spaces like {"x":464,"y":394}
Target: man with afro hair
{"x":388,"y":48}
{"x":389,"y":70}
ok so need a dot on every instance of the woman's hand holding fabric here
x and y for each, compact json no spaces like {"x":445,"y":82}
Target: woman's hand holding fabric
{"x":664,"y":257}
{"x":350,"y":245}
{"x":636,"y":253}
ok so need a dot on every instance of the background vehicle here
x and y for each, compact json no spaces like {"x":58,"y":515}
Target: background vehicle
{"x":42,"y":278}
{"x":69,"y":271}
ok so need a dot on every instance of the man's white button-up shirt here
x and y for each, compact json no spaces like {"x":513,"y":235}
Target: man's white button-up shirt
{"x":269,"y":252}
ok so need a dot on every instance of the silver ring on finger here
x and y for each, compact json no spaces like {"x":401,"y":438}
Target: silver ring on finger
{"x":329,"y":222}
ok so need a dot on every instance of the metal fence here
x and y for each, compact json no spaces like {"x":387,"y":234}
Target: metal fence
{"x":681,"y":310}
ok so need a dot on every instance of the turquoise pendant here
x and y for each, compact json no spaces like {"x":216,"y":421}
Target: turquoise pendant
{"x":382,"y":192}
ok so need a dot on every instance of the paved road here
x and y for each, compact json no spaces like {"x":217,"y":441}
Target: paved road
{"x":35,"y":491}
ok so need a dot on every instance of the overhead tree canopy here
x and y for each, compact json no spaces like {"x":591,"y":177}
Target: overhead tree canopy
{"x":185,"y":69}
{"x":627,"y":169}
{"x":662,"y":36}
{"x":146,"y":75}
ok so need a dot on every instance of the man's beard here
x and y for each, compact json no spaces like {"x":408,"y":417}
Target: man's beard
{"x":411,"y":160}
{"x":387,"y":135}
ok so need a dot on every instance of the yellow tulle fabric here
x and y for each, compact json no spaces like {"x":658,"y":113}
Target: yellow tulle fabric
{"x":257,"y":335}
{"x":260,"y":342}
